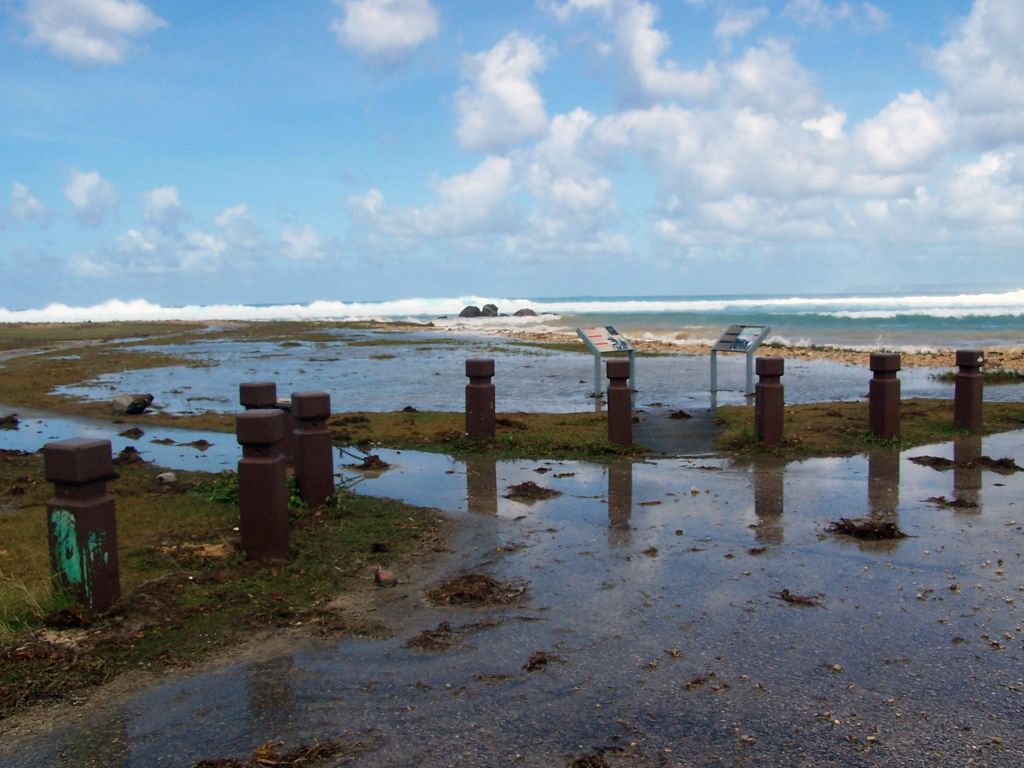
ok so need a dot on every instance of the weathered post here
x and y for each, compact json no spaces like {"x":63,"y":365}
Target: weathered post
{"x":620,"y":403}
{"x":262,"y":488}
{"x":769,"y":399}
{"x":263,"y":394}
{"x":314,"y":462}
{"x":82,"y":528}
{"x":968,"y":389}
{"x":884,"y":396}
{"x":480,"y":400}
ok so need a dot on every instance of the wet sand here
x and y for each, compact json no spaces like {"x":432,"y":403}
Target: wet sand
{"x":656,"y":591}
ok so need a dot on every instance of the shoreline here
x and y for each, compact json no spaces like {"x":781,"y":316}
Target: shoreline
{"x":1009,"y":357}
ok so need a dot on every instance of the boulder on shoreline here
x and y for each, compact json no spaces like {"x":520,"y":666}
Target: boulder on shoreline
{"x":470,"y":311}
{"x":525,"y":312}
{"x":131,"y":404}
{"x":489,"y":310}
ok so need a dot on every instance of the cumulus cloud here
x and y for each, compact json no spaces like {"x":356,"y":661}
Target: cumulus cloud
{"x":25,"y":206}
{"x":983,"y":65}
{"x":385,"y":32}
{"x":501,"y":105}
{"x":735,"y":23}
{"x":91,"y":196}
{"x":643,"y":46}
{"x":988,"y":195}
{"x":302,"y":244}
{"x":88,"y":31}
{"x":908,"y":133}
{"x":161,"y":207}
{"x":769,"y":78}
{"x":819,"y":13}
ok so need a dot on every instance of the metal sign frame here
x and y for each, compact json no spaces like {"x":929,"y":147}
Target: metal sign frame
{"x":602,"y":340}
{"x":738,"y":338}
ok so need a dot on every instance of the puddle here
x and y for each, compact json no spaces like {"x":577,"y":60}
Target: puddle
{"x":376,"y":374}
{"x":36,"y":428}
{"x":653,"y":593}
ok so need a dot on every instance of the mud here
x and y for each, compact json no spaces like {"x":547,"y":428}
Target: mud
{"x":867,"y":528}
{"x":475,"y":589}
{"x":529,"y":492}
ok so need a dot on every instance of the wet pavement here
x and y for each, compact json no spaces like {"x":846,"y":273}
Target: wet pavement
{"x":657,"y":591}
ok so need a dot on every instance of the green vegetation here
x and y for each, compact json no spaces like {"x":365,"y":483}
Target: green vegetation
{"x":841,"y":429}
{"x":187,"y":590}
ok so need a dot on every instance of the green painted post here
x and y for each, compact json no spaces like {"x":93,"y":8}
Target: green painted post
{"x":82,"y":528}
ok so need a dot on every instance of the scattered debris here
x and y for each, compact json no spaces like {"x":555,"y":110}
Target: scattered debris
{"x":128,"y":455}
{"x":528,"y":492}
{"x":510,"y":423}
{"x":698,"y":681}
{"x":199,"y":445}
{"x":9,"y":421}
{"x":475,"y":589}
{"x":561,"y":475}
{"x":162,"y":441}
{"x":650,"y":552}
{"x":167,"y":478}
{"x":654,"y":503}
{"x":679,"y":415}
{"x":756,"y":550}
{"x":384,"y":577}
{"x":71,"y":616}
{"x":542,"y":470}
{"x":410,"y":409}
{"x":132,"y":434}
{"x":867,"y":528}
{"x":440,"y":639}
{"x":793,"y":599}
{"x":268,"y":754}
{"x":1004,"y":466}
{"x":372,"y":463}
{"x":942,"y":501}
{"x":538,"y":660}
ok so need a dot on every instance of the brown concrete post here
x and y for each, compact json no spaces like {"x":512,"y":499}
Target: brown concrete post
{"x":262,"y":488}
{"x":884,"y":396}
{"x":263,"y":394}
{"x":480,"y":400}
{"x":620,"y":403}
{"x":968,"y":389}
{"x":769,"y":399}
{"x":314,"y":461}
{"x":82,"y":529}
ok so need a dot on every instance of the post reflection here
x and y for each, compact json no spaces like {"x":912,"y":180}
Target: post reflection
{"x":769,"y":500}
{"x":884,"y":484}
{"x":620,"y":501}
{"x":967,"y":472}
{"x":482,"y":485}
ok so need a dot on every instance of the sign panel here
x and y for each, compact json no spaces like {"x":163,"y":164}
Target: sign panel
{"x":741,"y":338}
{"x":604,"y":338}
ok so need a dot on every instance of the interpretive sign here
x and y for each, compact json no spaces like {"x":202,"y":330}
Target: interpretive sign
{"x":602,"y":340}
{"x":738,"y":338}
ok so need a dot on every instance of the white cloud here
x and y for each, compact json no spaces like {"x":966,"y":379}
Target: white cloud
{"x":385,"y":32}
{"x":302,"y":244}
{"x":88,"y":31}
{"x":907,"y":134}
{"x":983,"y":65}
{"x":738,"y":22}
{"x":239,"y":229}
{"x":769,"y":78}
{"x":91,"y":196}
{"x":643,"y":46}
{"x":562,"y":11}
{"x":864,"y":17}
{"x":162,"y":208}
{"x":988,"y":195}
{"x":501,"y":106}
{"x":25,"y":206}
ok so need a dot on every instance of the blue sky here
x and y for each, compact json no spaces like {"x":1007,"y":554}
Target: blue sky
{"x":195,"y":152}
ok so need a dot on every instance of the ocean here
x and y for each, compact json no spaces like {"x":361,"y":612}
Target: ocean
{"x":901,"y":322}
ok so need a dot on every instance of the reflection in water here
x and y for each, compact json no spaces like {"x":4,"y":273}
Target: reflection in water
{"x":967,"y":472}
{"x":884,"y":484}
{"x":270,"y":695}
{"x":482,"y":485}
{"x":108,"y":746}
{"x":620,"y":501}
{"x":769,"y":496}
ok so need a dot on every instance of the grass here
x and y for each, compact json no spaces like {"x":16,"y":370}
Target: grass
{"x":995,"y":376}
{"x":517,"y":435}
{"x":187,"y":590}
{"x":841,"y":429}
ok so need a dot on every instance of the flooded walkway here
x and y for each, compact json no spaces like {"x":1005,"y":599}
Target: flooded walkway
{"x":675,"y":612}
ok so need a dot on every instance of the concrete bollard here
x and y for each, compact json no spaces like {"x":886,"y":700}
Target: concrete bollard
{"x":82,"y":528}
{"x":262,"y":487}
{"x":968,"y":390}
{"x":480,"y":400}
{"x":263,"y":394}
{"x":769,"y":399}
{"x":620,"y":403}
{"x":314,"y":460}
{"x":884,"y":396}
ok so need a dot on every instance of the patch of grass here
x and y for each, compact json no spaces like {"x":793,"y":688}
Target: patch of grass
{"x":841,"y":429}
{"x":187,"y":590}
{"x":36,"y":335}
{"x":995,"y":376}
{"x":517,"y":435}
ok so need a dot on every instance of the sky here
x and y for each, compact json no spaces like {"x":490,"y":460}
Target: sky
{"x":191,"y":152}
